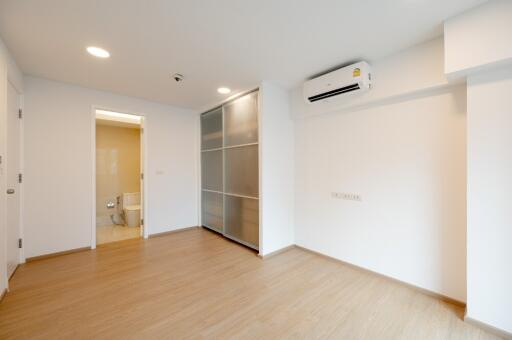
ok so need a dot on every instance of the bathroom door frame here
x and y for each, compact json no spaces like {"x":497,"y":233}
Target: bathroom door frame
{"x":143,"y":163}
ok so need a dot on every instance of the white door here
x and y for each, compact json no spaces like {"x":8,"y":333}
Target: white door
{"x":142,"y":178}
{"x":13,"y":186}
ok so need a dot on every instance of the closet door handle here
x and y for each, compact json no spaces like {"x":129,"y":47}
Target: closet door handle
{"x":10,"y":191}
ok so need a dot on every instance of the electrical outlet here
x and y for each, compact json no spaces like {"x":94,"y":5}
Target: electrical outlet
{"x":346,"y":196}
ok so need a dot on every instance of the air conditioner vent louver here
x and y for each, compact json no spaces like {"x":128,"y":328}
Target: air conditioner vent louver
{"x":340,"y":83}
{"x":336,"y":92}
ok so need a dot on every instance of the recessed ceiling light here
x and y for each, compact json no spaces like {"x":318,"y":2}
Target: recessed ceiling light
{"x":223,"y":90}
{"x":98,"y":52}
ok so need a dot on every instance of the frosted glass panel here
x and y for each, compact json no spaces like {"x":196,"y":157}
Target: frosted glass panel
{"x":211,"y":129}
{"x":242,"y":219}
{"x":211,"y":170}
{"x":229,"y":168}
{"x":212,"y":206}
{"x":241,"y":168}
{"x":241,"y":120}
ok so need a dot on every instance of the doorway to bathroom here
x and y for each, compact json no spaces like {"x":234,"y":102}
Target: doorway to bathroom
{"x":118,"y":207}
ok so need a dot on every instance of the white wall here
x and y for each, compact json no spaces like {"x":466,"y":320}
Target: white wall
{"x":58,"y":158}
{"x":14,"y":74}
{"x":405,"y":154}
{"x":277,"y":169}
{"x":479,"y":39}
{"x":489,"y":205}
{"x":3,"y":177}
{"x":478,"y":44}
{"x":407,"y":160}
{"x":9,"y":72}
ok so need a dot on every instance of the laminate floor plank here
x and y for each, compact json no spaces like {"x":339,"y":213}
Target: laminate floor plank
{"x":196,"y":284}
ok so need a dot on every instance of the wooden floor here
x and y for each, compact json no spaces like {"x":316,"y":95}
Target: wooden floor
{"x":198,"y":285}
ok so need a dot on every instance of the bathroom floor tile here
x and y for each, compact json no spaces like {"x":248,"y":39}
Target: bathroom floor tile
{"x":113,"y":233}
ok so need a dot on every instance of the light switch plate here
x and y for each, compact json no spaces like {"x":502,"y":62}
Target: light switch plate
{"x":346,"y":196}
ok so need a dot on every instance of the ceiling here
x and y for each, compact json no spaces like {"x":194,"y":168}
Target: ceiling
{"x":233,"y":43}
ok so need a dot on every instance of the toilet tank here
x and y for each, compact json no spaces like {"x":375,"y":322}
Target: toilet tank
{"x":131,"y":198}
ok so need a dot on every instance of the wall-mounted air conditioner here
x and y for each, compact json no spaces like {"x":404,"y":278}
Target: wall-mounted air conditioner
{"x":351,"y":79}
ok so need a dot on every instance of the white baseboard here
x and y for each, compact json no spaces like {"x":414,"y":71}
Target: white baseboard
{"x":491,"y":329}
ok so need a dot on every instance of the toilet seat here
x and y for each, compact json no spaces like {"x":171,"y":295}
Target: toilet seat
{"x":132,"y":207}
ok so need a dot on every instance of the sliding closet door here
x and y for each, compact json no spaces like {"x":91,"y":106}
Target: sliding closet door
{"x":212,"y":187}
{"x":230,"y":170}
{"x":241,"y":170}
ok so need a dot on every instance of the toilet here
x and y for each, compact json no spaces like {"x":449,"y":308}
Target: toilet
{"x":131,"y":208}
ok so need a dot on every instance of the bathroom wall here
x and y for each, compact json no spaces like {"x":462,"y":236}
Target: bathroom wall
{"x":117,"y":166}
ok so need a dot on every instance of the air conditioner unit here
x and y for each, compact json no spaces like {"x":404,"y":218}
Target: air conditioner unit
{"x":351,"y":79}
